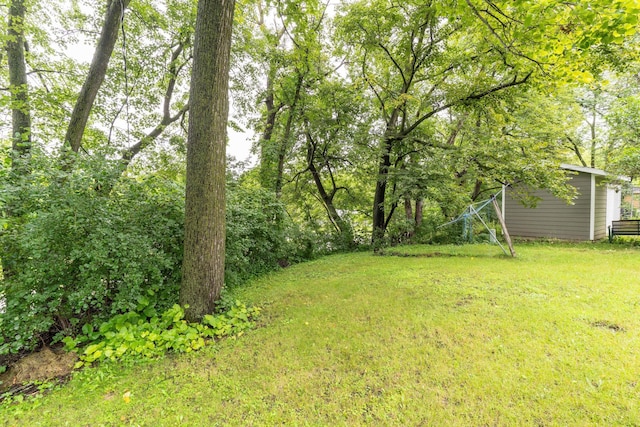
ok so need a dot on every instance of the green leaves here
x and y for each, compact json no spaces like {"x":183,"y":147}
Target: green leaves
{"x":133,"y":336}
{"x":81,"y":256}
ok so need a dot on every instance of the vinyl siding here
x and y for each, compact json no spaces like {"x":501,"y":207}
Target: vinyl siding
{"x":552,"y":217}
{"x":601,"y":210}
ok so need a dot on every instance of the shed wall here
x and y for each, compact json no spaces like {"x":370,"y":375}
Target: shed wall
{"x":600,"y":230}
{"x":552,"y":217}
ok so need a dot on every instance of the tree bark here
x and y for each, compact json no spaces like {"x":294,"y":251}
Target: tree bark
{"x":594,"y":139}
{"x":419,"y":212}
{"x":379,"y":222}
{"x":267,"y":149}
{"x":408,"y":209}
{"x":284,"y":144}
{"x":340,"y":225}
{"x":576,"y":149}
{"x":20,"y":114}
{"x":408,"y":214}
{"x":18,"y":86}
{"x":204,"y":241}
{"x":266,"y":163}
{"x":97,"y":72}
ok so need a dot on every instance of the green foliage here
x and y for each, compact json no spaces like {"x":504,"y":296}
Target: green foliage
{"x":36,"y":391}
{"x":134,"y":335}
{"x":78,"y":254}
{"x":81,"y":246}
{"x":81,"y":255}
{"x":260,"y":235}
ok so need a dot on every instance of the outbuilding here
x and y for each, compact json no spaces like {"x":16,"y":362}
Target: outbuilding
{"x":597,"y":204}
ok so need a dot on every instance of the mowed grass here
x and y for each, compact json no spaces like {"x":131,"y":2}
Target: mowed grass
{"x":451,"y":336}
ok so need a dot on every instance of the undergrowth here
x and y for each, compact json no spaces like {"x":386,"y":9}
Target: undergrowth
{"x":137,"y":337}
{"x":134,"y":336}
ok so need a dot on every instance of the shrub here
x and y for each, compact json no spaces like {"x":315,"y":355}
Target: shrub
{"x":260,"y":235}
{"x":81,"y":254}
{"x":85,"y":246}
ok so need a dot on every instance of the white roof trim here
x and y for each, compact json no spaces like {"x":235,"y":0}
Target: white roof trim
{"x":584,"y":169}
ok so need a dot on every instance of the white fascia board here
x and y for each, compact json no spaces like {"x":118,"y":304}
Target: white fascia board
{"x":592,"y":171}
{"x":592,"y":209}
{"x":584,"y":169}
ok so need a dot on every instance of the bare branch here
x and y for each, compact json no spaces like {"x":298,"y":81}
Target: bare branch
{"x":486,"y":23}
{"x":471,"y":97}
{"x":395,"y":63}
{"x":378,"y":96}
{"x":514,"y":82}
{"x":504,"y":44}
{"x":286,"y":29}
{"x":145,"y":141}
{"x":173,"y":73}
{"x":500,"y":12}
{"x":576,"y":149}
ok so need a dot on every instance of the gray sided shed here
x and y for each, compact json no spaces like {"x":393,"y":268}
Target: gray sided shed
{"x":594,"y":208}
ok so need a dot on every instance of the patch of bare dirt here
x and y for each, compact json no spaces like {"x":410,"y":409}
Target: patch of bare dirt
{"x":608,"y":325}
{"x":45,"y":365}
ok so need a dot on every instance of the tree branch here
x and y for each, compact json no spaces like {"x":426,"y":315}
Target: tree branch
{"x":576,"y":149}
{"x":471,"y":97}
{"x":504,"y":44}
{"x":167,"y":119}
{"x":395,"y":63}
{"x":97,"y":72}
{"x":145,"y":141}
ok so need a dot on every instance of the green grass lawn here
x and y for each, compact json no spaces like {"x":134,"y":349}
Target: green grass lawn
{"x":465,"y":336}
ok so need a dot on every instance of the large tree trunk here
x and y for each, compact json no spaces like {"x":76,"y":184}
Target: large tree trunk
{"x":408,"y":214}
{"x":18,"y":86}
{"x":97,"y":71}
{"x":419,"y":212}
{"x":204,"y":240}
{"x":408,"y":209}
{"x":283,"y":149}
{"x":20,"y":113}
{"x":340,"y":225}
{"x":379,"y":220}
{"x":266,"y":156}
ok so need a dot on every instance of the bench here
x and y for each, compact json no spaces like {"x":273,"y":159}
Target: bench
{"x":625,"y":227}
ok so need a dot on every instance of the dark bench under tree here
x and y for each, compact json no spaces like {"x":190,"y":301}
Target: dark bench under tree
{"x":625,"y":227}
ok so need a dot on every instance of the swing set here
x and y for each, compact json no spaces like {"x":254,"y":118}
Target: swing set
{"x":473,"y":211}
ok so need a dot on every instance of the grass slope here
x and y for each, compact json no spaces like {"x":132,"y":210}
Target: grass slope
{"x":549,"y":338}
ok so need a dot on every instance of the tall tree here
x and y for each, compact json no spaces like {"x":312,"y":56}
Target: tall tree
{"x":204,"y":242}
{"x":420,"y":59}
{"x":97,"y":71}
{"x":18,"y":85}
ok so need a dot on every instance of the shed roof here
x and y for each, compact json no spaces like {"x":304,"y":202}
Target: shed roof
{"x":592,"y":171}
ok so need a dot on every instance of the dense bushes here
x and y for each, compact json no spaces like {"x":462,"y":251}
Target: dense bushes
{"x":79,"y":249}
{"x":80,"y":254}
{"x":260,"y":235}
